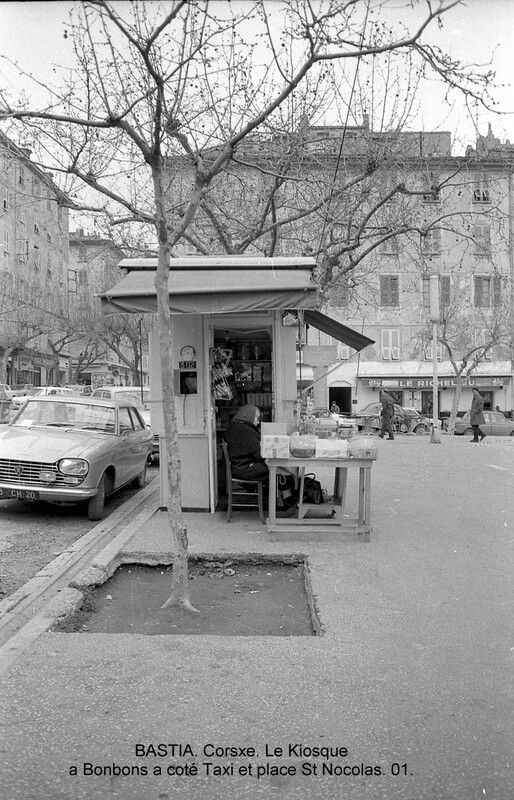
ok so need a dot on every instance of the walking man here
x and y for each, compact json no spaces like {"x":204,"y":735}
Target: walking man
{"x":476,"y":416}
{"x":387,"y":415}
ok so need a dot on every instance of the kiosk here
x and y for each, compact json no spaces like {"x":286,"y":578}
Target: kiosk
{"x":230,"y":348}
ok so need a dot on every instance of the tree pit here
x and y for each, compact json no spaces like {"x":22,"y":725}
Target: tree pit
{"x":233,"y":598}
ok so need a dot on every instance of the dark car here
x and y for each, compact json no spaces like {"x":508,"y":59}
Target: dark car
{"x":495,"y":424}
{"x":405,"y":420}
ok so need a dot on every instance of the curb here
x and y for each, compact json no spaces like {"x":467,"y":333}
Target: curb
{"x":32,"y":600}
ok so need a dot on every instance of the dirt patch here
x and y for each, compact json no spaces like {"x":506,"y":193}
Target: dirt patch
{"x":233,"y":599}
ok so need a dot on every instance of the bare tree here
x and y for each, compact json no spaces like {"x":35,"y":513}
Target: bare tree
{"x":195,"y":81}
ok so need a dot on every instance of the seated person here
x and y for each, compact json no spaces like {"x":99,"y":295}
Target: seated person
{"x":243,"y":439}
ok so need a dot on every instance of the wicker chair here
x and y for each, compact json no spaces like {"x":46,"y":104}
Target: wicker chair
{"x":237,"y":487}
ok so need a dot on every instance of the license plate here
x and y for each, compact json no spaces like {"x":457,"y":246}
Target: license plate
{"x":19,"y":494}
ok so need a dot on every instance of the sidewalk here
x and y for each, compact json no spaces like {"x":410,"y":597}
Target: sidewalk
{"x":413,"y":675}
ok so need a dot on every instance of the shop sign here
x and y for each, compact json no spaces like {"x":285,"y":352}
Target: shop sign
{"x":427,"y":383}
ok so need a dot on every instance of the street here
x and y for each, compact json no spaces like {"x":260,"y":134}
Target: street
{"x":32,"y":534}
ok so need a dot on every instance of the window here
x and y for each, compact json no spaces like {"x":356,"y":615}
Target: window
{"x":343,"y":352}
{"x":37,"y":260}
{"x":137,"y":422}
{"x":389,"y":290}
{"x":22,"y":249}
{"x":49,"y":266}
{"x":49,"y":238}
{"x":390,"y":247}
{"x":433,"y":196}
{"x":487,"y":291}
{"x":391,"y":345}
{"x":125,"y":420}
{"x":36,"y":222}
{"x":429,"y":350}
{"x":444,"y":292}
{"x":21,"y":176}
{"x":431,"y":243}
{"x":481,"y":193}
{"x":6,"y":241}
{"x":5,"y":200}
{"x":482,"y":239}
{"x":482,"y":338}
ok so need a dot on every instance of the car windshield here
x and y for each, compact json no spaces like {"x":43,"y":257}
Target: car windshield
{"x":77,"y":416}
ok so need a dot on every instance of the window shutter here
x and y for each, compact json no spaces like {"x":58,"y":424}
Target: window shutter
{"x":497,"y":290}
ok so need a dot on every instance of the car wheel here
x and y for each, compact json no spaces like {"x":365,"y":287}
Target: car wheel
{"x":95,"y":506}
{"x":140,"y":481}
{"x":468,"y":432}
{"x":420,"y":429}
{"x":511,"y":433}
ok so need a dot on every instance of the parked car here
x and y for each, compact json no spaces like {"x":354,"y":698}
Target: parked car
{"x":21,"y":389}
{"x":496,"y":424}
{"x":66,"y":449}
{"x":41,"y":391}
{"x":140,"y":396}
{"x":405,"y":420}
{"x":6,"y":392}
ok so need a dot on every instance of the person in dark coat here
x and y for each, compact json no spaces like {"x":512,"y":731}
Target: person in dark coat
{"x":243,"y":439}
{"x":387,"y":415}
{"x":476,"y":416}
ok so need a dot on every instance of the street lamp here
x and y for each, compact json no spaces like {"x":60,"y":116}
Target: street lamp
{"x":434,"y":319}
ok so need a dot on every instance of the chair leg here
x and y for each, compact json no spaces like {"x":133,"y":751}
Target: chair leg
{"x":229,"y":501}
{"x":260,"y":501}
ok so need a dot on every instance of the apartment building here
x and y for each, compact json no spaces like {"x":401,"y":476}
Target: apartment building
{"x":381,"y":212}
{"x":93,"y":268}
{"x":466,"y":240}
{"x":33,"y":268}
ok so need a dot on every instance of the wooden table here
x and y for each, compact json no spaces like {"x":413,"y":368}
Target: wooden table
{"x":332,"y":511}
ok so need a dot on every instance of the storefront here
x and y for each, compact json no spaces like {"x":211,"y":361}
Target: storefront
{"x":231,"y":347}
{"x":411,"y":384}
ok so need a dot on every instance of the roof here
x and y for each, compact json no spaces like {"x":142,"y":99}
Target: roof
{"x":206,"y":285}
{"x":215,"y":285}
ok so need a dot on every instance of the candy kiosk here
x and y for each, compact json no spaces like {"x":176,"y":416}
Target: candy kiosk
{"x":230,"y":347}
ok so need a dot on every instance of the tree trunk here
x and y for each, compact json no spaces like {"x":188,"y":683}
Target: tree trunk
{"x":455,"y":404}
{"x":180,"y":596}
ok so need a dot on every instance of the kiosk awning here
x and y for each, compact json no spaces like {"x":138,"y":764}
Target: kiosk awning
{"x":337,"y":330}
{"x":205,"y":288}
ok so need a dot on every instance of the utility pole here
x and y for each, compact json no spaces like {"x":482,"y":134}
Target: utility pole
{"x":434,"y":319}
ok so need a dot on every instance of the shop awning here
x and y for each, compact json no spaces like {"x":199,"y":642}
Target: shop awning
{"x":215,"y":285}
{"x":337,"y":330}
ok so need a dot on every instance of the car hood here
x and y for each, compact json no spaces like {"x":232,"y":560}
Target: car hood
{"x":42,"y":444}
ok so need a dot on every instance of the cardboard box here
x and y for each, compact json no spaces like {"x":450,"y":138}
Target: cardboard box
{"x":275,"y":446}
{"x":331,"y":448}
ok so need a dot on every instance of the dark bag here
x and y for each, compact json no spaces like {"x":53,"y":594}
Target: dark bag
{"x":312,"y":491}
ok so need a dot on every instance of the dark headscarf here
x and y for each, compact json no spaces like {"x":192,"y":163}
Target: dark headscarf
{"x":246,"y":414}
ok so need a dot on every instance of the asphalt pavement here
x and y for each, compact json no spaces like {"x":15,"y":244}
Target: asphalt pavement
{"x":406,"y":695}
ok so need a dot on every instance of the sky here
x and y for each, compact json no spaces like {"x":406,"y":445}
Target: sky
{"x":31,"y":33}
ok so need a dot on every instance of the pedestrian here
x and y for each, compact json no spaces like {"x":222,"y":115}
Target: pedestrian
{"x":476,"y":416}
{"x":387,"y":415}
{"x":334,"y":408}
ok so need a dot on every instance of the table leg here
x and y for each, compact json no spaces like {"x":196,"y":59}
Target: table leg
{"x":272,"y":497}
{"x":364,"y":523}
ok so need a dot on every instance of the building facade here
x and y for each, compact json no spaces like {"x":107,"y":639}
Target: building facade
{"x":382,"y":212}
{"x":93,"y":268}
{"x":33,"y":266}
{"x":468,"y":244}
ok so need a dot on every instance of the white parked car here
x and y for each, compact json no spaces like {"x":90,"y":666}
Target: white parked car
{"x":41,"y":391}
{"x":138,"y":395}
